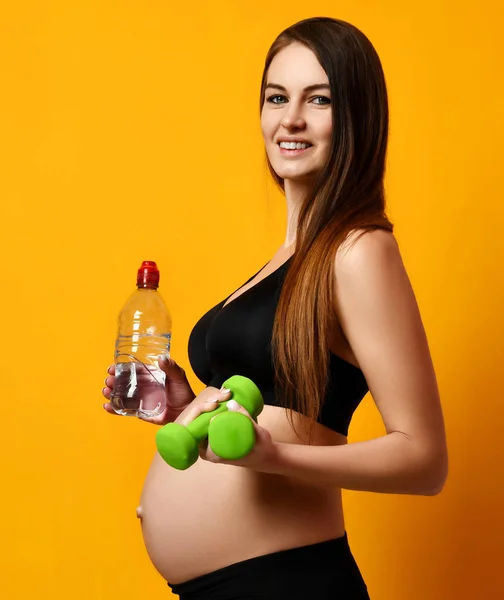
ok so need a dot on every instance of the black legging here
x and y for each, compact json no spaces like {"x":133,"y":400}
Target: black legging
{"x":323,"y":571}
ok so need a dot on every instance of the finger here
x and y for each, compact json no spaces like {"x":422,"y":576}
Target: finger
{"x":108,"y":407}
{"x":233,"y":406}
{"x":111,"y":370}
{"x":109,"y":382}
{"x":198,"y":408}
{"x":106,"y":391}
{"x":173,"y":371}
{"x":206,"y":453}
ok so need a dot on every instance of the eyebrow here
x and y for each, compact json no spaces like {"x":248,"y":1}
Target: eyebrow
{"x":310,"y":88}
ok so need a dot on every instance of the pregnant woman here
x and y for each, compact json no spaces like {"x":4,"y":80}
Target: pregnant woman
{"x":329,"y":318}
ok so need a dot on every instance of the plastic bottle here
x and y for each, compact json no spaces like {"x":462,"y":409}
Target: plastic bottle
{"x":144,"y":334}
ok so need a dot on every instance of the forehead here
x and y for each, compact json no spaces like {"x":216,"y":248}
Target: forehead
{"x":296,"y":66}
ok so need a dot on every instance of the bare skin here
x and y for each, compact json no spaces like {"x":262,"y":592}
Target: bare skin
{"x":184,"y":513}
{"x":213,"y":515}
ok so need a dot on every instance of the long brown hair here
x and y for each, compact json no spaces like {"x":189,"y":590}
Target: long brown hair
{"x":347,"y":195}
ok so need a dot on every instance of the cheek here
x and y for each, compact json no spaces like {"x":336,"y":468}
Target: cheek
{"x":325,"y":137}
{"x":323,"y":127}
{"x":267,"y":128}
{"x":328,"y":130}
{"x":263,"y":132}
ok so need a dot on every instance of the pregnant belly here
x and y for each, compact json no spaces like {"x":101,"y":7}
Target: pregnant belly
{"x":212,"y":515}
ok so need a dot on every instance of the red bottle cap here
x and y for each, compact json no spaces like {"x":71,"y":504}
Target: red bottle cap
{"x":148,"y":275}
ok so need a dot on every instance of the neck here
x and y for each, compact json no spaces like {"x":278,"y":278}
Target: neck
{"x":295,"y":192}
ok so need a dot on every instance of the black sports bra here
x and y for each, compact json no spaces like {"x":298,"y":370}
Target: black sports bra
{"x":235,"y":340}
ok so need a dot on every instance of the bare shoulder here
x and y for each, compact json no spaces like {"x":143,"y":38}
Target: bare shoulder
{"x":370,"y":276}
{"x":372,"y":286}
{"x":367,"y":248}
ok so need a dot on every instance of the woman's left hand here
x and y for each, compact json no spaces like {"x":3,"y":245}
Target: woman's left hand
{"x":262,"y":454}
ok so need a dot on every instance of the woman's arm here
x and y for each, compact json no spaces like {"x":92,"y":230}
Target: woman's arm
{"x":379,"y":315}
{"x":392,"y":464}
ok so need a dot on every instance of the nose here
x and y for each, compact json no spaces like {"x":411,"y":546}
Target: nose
{"x":293,"y":117}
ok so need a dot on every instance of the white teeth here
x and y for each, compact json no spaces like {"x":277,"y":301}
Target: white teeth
{"x":294,"y":145}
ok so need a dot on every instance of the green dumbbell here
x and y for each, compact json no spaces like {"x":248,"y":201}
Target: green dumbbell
{"x":230,"y":435}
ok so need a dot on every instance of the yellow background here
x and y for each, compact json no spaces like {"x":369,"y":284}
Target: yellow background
{"x":129,"y":131}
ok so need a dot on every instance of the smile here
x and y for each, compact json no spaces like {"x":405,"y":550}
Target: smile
{"x":293,"y":149}
{"x":294,"y":145}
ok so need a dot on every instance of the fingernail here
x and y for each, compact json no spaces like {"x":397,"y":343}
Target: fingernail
{"x":103,"y":389}
{"x":213,"y":400}
{"x":233,"y":405}
{"x":224,"y":390}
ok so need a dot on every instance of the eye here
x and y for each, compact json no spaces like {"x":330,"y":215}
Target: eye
{"x":325,"y":99}
{"x":279,"y":99}
{"x":272,"y":99}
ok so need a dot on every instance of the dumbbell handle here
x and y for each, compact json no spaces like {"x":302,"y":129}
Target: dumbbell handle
{"x":199,"y":427}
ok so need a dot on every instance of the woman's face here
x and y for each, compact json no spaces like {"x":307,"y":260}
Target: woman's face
{"x":297,"y":108}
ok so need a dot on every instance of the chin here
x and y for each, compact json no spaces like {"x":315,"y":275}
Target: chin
{"x":301,"y":176}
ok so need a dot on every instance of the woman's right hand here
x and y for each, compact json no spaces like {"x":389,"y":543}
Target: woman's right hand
{"x":206,"y":401}
{"x":179,"y":394}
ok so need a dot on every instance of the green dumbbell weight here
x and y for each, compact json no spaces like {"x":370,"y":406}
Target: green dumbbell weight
{"x":230,"y":435}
